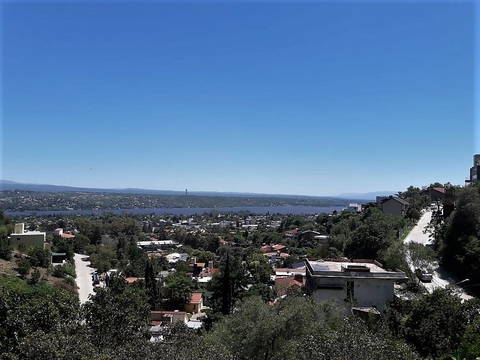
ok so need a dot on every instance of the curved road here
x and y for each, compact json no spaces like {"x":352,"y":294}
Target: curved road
{"x":441,"y":279}
{"x":84,"y":277}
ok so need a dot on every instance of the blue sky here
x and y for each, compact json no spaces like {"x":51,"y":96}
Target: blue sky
{"x":311,"y":98}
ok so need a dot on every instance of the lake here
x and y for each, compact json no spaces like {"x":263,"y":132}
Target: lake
{"x":284,"y":210}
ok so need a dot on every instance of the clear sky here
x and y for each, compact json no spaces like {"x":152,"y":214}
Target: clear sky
{"x":308,"y":98}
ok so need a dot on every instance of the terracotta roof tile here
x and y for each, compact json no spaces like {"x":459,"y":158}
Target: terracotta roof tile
{"x":196,"y":298}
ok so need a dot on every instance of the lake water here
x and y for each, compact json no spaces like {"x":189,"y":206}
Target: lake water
{"x":284,"y":210}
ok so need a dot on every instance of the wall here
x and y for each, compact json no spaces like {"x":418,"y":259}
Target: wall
{"x":392,"y":207}
{"x":29,"y":239}
{"x":367,"y":292}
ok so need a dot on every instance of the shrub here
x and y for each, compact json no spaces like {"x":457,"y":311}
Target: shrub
{"x":23,"y":266}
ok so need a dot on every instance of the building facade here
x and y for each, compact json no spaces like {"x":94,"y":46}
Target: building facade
{"x":28,"y":239}
{"x":357,"y":283}
{"x":395,"y":206}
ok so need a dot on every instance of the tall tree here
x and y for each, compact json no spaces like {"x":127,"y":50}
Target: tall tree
{"x":151,"y":286}
{"x":229,"y":282}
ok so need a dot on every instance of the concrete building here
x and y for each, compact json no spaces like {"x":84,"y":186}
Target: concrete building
{"x":357,"y":283}
{"x":29,"y":238}
{"x":155,"y":245}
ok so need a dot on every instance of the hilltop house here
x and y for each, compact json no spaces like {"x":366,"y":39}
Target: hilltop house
{"x":395,"y":206}
{"x":435,"y":193}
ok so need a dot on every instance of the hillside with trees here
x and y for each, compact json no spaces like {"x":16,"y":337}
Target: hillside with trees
{"x":458,"y":236}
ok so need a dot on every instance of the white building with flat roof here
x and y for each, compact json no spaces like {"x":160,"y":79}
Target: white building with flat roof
{"x":357,"y":283}
{"x":27,"y":238}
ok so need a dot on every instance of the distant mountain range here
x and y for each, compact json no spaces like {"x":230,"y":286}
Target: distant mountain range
{"x":12,"y":185}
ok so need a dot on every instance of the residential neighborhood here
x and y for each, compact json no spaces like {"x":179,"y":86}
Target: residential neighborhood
{"x":192,"y":269}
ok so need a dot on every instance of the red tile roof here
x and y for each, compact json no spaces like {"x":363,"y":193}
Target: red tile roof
{"x":212,"y":271}
{"x":196,"y":297}
{"x":131,"y":280}
{"x":283,"y":283}
{"x":439,"y":189}
{"x":67,"y":236}
{"x":266,"y":248}
{"x":288,"y":280}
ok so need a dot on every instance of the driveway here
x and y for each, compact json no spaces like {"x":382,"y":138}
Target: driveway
{"x":84,"y":277}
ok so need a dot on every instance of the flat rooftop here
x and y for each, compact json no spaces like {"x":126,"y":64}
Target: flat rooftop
{"x":339,"y":266}
{"x":33,"y":232}
{"x":346,"y":268}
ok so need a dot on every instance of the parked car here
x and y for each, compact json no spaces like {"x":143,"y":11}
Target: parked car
{"x":423,"y":275}
{"x":95,"y":279}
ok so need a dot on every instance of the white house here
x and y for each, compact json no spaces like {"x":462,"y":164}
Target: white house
{"x":354,"y":208}
{"x":360,"y":283}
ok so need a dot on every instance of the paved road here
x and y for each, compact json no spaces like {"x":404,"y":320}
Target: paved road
{"x":441,"y":279}
{"x":84,"y":277}
{"x":417,"y":233}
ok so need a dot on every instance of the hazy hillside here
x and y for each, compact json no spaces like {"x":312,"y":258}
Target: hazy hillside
{"x":12,"y":185}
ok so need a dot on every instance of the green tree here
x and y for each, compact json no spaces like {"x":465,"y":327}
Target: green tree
{"x":229,"y":283}
{"x":27,"y":309}
{"x":259,"y":267}
{"x":63,"y":245}
{"x":5,"y":250}
{"x":38,"y":256}
{"x":117,"y":314}
{"x":178,"y":289}
{"x":301,"y":328}
{"x":23,"y":266}
{"x":80,"y":242}
{"x":437,"y":323}
{"x":460,"y":248}
{"x":152,"y":286}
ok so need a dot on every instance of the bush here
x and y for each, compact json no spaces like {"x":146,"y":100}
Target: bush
{"x":64,"y":271}
{"x":38,"y":256}
{"x":35,"y":278}
{"x":58,"y":271}
{"x":23,"y":266}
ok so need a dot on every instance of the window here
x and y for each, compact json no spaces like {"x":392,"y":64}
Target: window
{"x":350,"y":291}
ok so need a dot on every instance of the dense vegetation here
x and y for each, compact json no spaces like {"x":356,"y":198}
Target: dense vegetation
{"x":458,"y":236}
{"x":50,"y":324}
